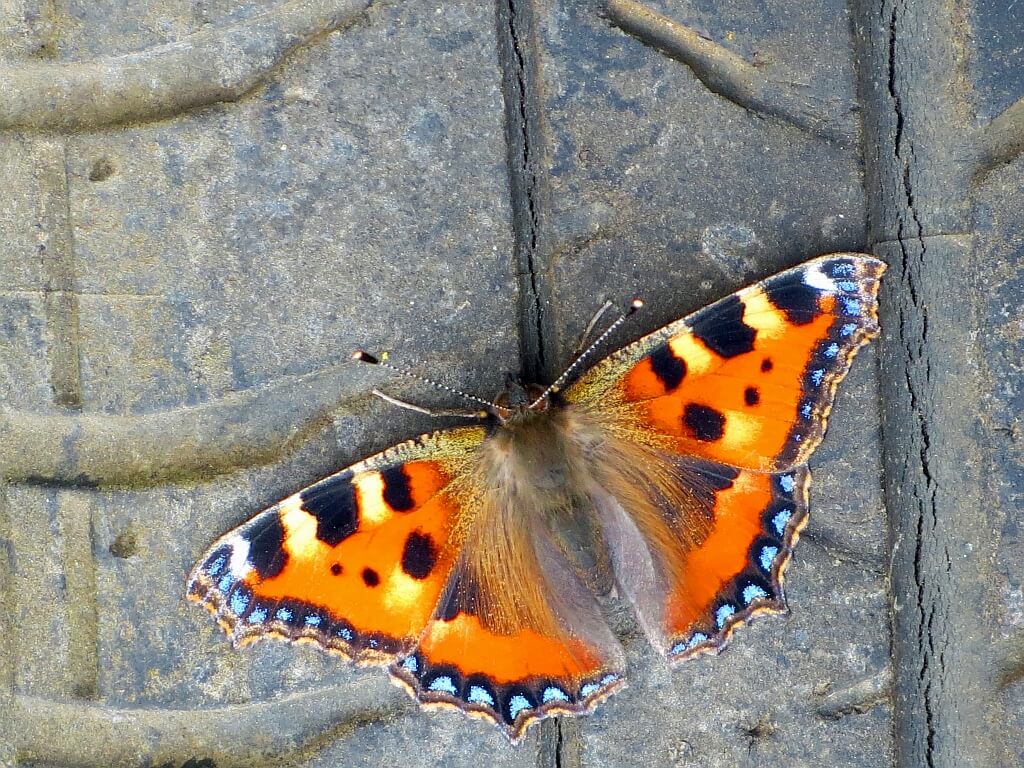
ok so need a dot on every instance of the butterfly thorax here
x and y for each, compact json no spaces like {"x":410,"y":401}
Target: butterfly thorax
{"x":533,"y":456}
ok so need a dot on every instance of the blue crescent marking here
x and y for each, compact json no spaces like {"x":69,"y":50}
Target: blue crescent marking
{"x":781,"y":519}
{"x":697,"y":639}
{"x":478,"y":695}
{"x":551,"y":693}
{"x":817,"y":376}
{"x":787,"y":483}
{"x":214,"y":568}
{"x":609,"y":679}
{"x":313,"y":621}
{"x":677,"y":648}
{"x":589,"y":689}
{"x":842,"y":269}
{"x":851,"y":306}
{"x":806,"y":409}
{"x":724,"y":613}
{"x":848,"y":329}
{"x":443,"y":684}
{"x":239,"y":602}
{"x":516,"y":705}
{"x":832,"y":350}
{"x":847,"y":285}
{"x":344,"y":632}
{"x":752,"y":592}
{"x":283,"y":614}
{"x":411,"y":664}
{"x":225,"y":582}
{"x":258,"y":616}
{"x":767,"y":557}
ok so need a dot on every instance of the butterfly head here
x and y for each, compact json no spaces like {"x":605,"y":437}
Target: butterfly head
{"x":519,"y":400}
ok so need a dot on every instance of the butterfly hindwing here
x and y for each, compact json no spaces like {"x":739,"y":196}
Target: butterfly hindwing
{"x":354,"y":563}
{"x":737,"y":570}
{"x":749,"y":380}
{"x":546,"y":651}
{"x":690,"y":592}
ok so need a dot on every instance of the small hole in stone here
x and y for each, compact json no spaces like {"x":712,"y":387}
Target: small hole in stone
{"x":760,"y":730}
{"x":101,"y":170}
{"x":126,"y":544}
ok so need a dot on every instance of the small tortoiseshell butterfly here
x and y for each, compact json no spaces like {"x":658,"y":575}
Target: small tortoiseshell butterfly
{"x":448,"y":557}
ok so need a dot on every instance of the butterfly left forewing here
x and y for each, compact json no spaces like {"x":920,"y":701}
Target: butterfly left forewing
{"x":355,"y":563}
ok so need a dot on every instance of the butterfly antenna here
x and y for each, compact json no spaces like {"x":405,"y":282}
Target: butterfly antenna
{"x":557,"y":384}
{"x":365,"y":357}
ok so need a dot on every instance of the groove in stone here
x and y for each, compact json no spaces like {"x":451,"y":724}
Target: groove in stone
{"x":232,"y":736}
{"x":204,"y":68}
{"x":78,"y":566}
{"x":730,"y":75}
{"x":57,"y":256}
{"x":239,"y":430}
{"x":1002,"y":140}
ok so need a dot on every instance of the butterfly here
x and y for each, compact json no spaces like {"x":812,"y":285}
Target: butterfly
{"x":462,"y":559}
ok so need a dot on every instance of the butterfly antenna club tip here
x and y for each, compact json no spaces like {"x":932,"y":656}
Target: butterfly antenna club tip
{"x":634,"y":305}
{"x":365,"y":357}
{"x":362,"y":356}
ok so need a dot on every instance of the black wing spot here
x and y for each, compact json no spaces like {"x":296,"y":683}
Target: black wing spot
{"x":462,"y":597}
{"x":419,"y":556}
{"x":795,"y":298}
{"x":767,"y":365}
{"x":704,"y":423}
{"x":751,"y":396}
{"x":267,"y":554}
{"x":370,"y":577}
{"x":669,"y":369}
{"x":397,"y":489}
{"x":336,"y":569}
{"x":707,"y":476}
{"x":333,"y":504}
{"x":723,"y":331}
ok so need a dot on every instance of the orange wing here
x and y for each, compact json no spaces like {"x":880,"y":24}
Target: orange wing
{"x":734,"y":399}
{"x":516,"y":675}
{"x":748,"y":524}
{"x":379,"y":563}
{"x":355,"y":563}
{"x":749,"y":380}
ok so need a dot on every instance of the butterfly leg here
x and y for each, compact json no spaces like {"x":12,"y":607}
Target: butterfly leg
{"x":429,"y":411}
{"x":582,"y":344}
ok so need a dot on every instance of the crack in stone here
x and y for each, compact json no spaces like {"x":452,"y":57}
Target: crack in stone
{"x":514,"y":38}
{"x":915,"y":345}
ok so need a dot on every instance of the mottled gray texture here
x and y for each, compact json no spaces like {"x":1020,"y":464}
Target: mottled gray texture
{"x":462,"y":184}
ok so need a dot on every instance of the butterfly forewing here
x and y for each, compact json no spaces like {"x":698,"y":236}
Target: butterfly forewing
{"x":356,"y":562}
{"x":748,"y":381}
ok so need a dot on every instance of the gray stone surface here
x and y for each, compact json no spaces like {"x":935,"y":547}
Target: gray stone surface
{"x":205,"y":206}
